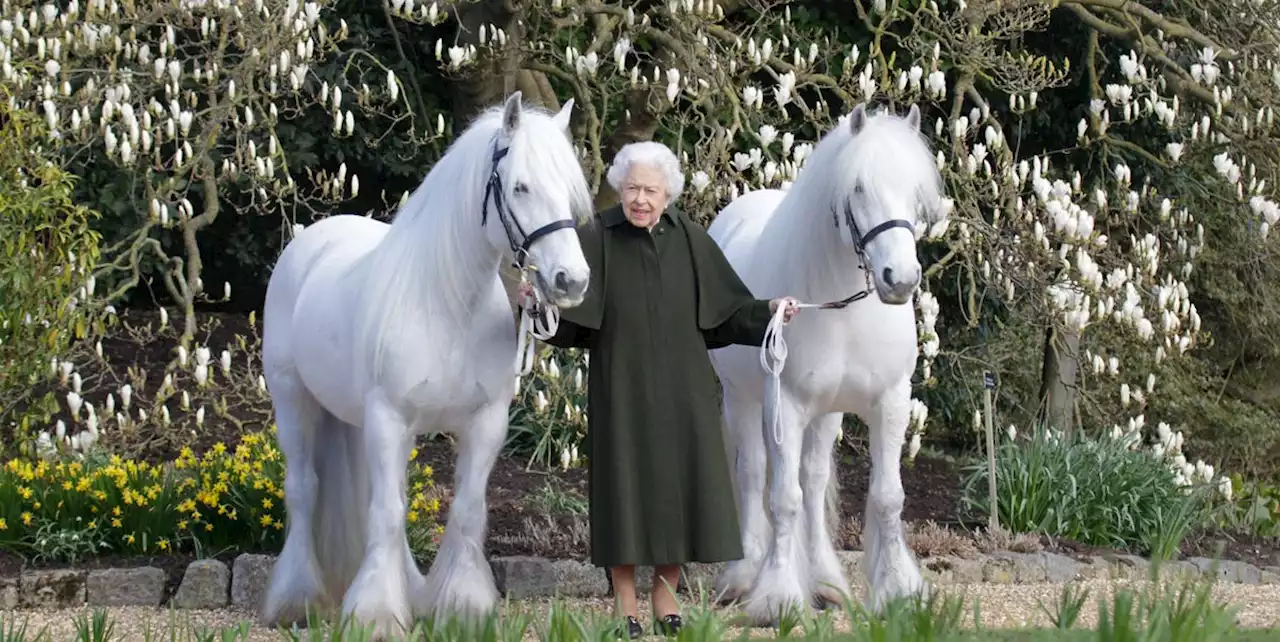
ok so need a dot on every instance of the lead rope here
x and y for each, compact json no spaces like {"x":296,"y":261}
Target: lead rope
{"x":533,"y":326}
{"x":773,"y":358}
{"x":773,"y":350}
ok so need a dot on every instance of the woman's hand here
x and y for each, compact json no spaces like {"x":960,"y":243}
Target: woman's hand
{"x":792,"y":306}
{"x":524,"y":294}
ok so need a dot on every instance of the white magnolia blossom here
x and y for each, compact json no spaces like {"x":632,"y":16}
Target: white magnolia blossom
{"x":1030,"y":232}
{"x":1038,"y":236}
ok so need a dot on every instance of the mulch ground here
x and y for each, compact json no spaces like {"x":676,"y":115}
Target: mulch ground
{"x":520,"y":520}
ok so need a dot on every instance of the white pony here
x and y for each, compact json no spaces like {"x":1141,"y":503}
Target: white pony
{"x":375,"y":333}
{"x":847,"y":222}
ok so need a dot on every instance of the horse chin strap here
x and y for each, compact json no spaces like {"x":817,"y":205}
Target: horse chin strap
{"x":540,"y":320}
{"x":773,"y":351}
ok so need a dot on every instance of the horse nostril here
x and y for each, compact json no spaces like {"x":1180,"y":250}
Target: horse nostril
{"x":562,"y":281}
{"x":887,"y":274}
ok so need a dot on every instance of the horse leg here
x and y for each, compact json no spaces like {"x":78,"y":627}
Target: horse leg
{"x":782,"y":584}
{"x":378,"y":596}
{"x":828,"y":581}
{"x":747,"y":456}
{"x":891,"y":569}
{"x":417,"y":582}
{"x":296,"y":582}
{"x":460,"y":580}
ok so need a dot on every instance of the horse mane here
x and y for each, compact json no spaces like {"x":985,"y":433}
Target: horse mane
{"x":435,"y":260}
{"x":887,"y":155}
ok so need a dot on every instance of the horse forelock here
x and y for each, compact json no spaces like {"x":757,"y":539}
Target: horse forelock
{"x":541,"y":152}
{"x":887,"y":155}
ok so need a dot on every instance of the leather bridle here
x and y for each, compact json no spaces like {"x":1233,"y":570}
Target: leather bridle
{"x":520,"y":240}
{"x":860,"y":242}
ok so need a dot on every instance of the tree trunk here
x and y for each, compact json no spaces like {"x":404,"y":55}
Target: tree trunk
{"x":640,"y":127}
{"x":1058,"y":379}
{"x":490,"y":83}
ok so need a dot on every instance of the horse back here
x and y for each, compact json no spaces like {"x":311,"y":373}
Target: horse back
{"x":738,"y":228}
{"x":310,"y":274}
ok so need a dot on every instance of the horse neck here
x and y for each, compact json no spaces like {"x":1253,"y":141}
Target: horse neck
{"x":815,"y":262}
{"x":436,"y":258}
{"x":454,"y":256}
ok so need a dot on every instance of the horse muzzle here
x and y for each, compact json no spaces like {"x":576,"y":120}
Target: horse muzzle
{"x":895,"y":287}
{"x":565,"y":289}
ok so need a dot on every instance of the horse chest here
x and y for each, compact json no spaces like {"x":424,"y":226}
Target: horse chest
{"x":849,"y":364}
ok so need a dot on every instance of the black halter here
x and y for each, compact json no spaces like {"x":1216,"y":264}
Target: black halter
{"x":860,"y":242}
{"x":493,"y":190}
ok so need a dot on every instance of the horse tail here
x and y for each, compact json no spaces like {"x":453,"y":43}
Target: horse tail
{"x":342,"y":504}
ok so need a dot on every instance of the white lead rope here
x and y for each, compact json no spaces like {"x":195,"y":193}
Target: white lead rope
{"x":773,"y":358}
{"x":533,"y":328}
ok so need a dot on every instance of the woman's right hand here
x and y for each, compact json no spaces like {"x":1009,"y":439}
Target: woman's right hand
{"x":525,"y":294}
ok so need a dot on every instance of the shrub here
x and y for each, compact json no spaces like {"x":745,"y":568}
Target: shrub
{"x":1255,"y":509}
{"x":47,"y":257}
{"x":226,"y":499}
{"x":1107,"y":492}
{"x":549,"y":413}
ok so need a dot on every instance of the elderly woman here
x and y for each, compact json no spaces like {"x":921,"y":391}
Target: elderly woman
{"x":661,"y":294}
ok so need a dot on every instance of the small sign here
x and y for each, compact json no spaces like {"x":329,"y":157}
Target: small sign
{"x":989,"y":380}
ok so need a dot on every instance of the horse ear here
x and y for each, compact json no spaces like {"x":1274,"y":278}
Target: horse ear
{"x":511,"y":113}
{"x":858,"y":117}
{"x":566,"y":112}
{"x":913,"y":117}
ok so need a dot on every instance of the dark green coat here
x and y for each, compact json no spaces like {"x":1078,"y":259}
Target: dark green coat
{"x":660,"y":491}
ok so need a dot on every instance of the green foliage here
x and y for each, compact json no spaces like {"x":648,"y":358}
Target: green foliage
{"x":548,"y":416}
{"x":226,"y":499}
{"x":98,"y":627}
{"x":1255,"y":509}
{"x":1166,"y":612}
{"x":47,"y":256}
{"x":1101,"y":493}
{"x":556,"y":501}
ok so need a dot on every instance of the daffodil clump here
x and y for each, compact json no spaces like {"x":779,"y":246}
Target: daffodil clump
{"x":228,"y":498}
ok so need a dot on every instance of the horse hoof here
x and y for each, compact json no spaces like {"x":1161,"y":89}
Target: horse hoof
{"x":826,"y":598}
{"x":770,"y":611}
{"x":726,"y":597}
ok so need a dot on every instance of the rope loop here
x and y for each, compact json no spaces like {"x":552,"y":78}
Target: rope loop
{"x":539,"y":321}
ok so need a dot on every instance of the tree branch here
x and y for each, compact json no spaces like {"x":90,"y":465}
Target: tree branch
{"x":1158,"y":21}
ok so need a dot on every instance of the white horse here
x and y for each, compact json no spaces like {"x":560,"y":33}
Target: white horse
{"x":848,"y":221}
{"x":375,"y":333}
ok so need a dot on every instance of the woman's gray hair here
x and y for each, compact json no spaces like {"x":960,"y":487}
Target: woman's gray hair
{"x":655,"y":155}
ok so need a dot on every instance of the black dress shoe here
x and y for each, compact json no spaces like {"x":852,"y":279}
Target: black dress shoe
{"x":634,"y":630}
{"x":668,"y":626}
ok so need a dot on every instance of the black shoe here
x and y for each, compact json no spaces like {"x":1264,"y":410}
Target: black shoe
{"x":634,"y":630}
{"x":668,"y":626}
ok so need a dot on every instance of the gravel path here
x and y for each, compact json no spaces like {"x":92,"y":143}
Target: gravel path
{"x":1002,"y":606}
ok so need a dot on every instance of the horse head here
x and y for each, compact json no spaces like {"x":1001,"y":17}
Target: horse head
{"x":537,"y":192}
{"x":888,"y":176}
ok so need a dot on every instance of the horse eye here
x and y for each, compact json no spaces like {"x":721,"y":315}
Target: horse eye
{"x":521,"y":188}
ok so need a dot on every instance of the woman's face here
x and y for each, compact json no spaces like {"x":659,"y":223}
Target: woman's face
{"x":644,"y":195}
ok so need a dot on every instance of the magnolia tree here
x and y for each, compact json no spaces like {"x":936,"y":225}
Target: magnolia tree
{"x":184,"y":97}
{"x":1099,"y":259}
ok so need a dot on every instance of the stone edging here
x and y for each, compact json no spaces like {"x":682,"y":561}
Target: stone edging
{"x":211,"y":584}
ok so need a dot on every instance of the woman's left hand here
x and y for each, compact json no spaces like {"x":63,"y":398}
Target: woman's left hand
{"x":792,"y":306}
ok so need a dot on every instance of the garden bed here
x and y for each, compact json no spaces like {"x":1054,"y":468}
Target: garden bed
{"x":540,"y":512}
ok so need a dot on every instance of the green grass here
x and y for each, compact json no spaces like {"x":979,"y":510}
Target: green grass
{"x":1160,"y":612}
{"x":1097,"y":492}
